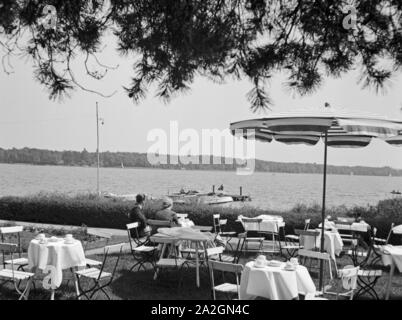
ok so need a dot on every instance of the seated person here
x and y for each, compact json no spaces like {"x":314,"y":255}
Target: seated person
{"x":167,"y":214}
{"x":137,"y":215}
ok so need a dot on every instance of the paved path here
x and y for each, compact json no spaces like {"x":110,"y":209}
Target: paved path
{"x":114,"y":232}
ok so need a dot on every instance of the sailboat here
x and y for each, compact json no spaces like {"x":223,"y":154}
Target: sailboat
{"x":122,"y":165}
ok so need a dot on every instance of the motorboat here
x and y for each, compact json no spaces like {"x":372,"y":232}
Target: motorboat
{"x":194,"y":197}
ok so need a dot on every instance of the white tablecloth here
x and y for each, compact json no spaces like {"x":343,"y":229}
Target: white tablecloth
{"x":57,"y":254}
{"x":392,"y":254}
{"x":274,"y":283}
{"x":355,"y":226}
{"x":268,"y":224}
{"x":186,"y":223}
{"x":333,"y":243}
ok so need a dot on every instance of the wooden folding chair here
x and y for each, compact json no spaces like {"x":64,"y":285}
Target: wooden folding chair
{"x":100,"y":235}
{"x":308,"y":235}
{"x":219,"y":229}
{"x":307,"y":257}
{"x":294,"y":237}
{"x":348,"y":278}
{"x":383,"y":242}
{"x":248,"y":222}
{"x":15,"y":231}
{"x":12,"y":275}
{"x":225,"y":287}
{"x":141,"y":251}
{"x":100,"y":278}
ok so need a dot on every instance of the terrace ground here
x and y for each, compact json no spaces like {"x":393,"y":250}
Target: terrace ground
{"x":140,"y":285}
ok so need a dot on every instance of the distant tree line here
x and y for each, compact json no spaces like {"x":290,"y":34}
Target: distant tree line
{"x":134,"y":159}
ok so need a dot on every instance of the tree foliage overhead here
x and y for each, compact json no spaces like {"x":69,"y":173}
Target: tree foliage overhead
{"x":173,"y":41}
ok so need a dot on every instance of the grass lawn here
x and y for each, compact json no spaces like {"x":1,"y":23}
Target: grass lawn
{"x":141,"y":286}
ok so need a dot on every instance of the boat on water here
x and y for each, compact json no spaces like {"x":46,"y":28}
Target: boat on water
{"x":396,"y":192}
{"x":194,"y":197}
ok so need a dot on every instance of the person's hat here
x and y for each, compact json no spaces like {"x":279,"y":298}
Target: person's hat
{"x":167,"y":202}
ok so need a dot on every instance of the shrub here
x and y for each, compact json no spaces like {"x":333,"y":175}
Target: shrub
{"x":92,"y":211}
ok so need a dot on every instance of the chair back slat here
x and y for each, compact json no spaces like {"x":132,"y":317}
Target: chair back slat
{"x":397,"y":229}
{"x":99,"y":233}
{"x":223,"y":222}
{"x":132,"y":225}
{"x":8,"y":247}
{"x":14,"y":229}
{"x":251,"y":220}
{"x":310,"y":233}
{"x":226,"y":267}
{"x":314,"y":254}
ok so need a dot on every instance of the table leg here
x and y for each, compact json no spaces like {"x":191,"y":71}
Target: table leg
{"x":160,"y":257}
{"x":77,"y":288}
{"x":197,"y":266}
{"x":389,"y":284}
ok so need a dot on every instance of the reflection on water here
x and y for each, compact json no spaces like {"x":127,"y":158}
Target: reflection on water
{"x":268,"y":190}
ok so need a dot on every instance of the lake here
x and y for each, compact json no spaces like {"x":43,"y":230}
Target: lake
{"x":268,"y":190}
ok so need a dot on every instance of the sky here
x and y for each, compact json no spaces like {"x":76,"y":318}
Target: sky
{"x":29,"y":119}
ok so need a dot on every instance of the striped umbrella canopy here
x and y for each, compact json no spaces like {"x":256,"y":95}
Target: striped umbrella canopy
{"x":337,"y":128}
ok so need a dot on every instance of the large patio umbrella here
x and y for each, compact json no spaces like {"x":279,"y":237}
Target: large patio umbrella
{"x":336,"y":127}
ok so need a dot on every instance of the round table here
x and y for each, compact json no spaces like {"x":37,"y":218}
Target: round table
{"x":333,"y":243}
{"x":200,"y":240}
{"x":58,"y":254}
{"x":275,"y":283}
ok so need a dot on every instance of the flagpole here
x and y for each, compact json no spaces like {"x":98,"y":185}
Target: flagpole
{"x":323,"y":207}
{"x":97,"y":149}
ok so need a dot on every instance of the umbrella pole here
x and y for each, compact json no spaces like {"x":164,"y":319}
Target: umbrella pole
{"x":323,"y":208}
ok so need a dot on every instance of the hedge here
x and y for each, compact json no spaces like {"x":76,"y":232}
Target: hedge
{"x":93,"y":211}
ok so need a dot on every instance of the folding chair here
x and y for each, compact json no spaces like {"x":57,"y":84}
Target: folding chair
{"x":100,"y":278}
{"x":348,"y":277}
{"x":12,"y":275}
{"x":380,"y":241}
{"x":370,"y":268}
{"x":307,"y":257}
{"x":98,"y":234}
{"x":295,"y":237}
{"x":292,"y":245}
{"x":225,"y":287}
{"x":235,"y":257}
{"x":249,"y":223}
{"x":272,"y":230}
{"x":308,"y":239}
{"x":343,"y":224}
{"x":219,"y":229}
{"x":141,"y":251}
{"x":15,"y":231}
